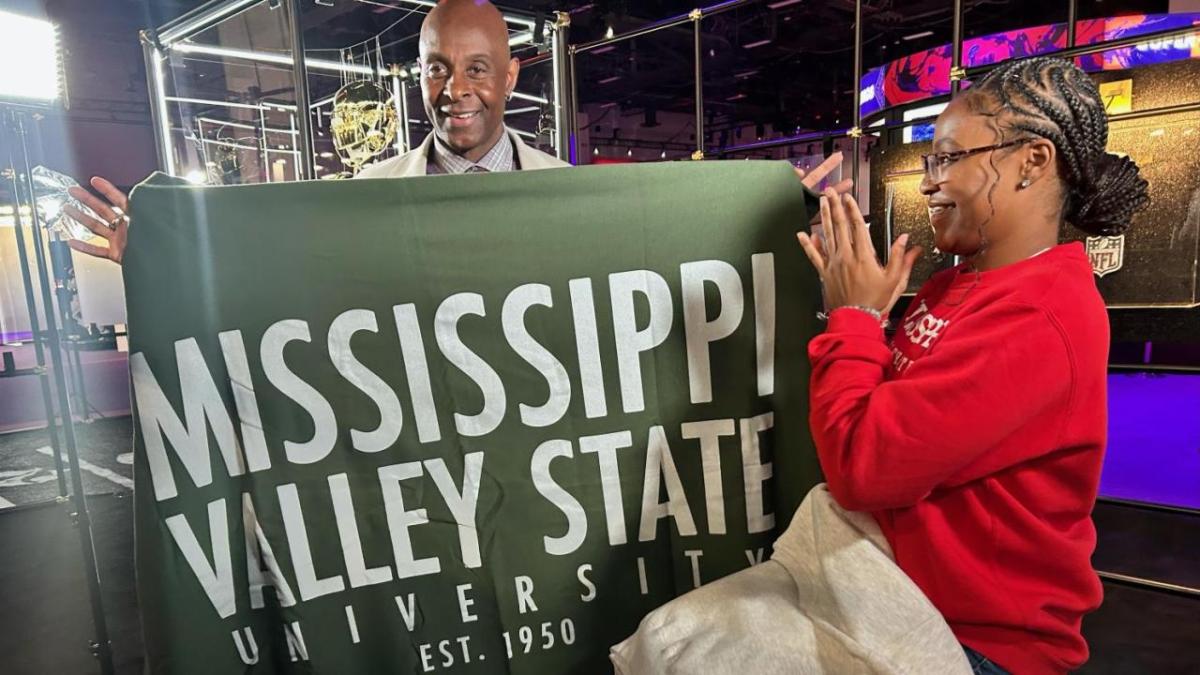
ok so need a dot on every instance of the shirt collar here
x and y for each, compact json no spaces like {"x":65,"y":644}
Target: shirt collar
{"x":498,"y":159}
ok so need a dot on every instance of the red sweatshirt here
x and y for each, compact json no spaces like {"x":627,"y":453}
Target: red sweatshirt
{"x":976,"y":439}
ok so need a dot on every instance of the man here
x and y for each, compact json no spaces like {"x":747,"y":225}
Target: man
{"x":467,"y":75}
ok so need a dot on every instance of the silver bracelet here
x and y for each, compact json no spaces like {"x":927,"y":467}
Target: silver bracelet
{"x":874,"y":314}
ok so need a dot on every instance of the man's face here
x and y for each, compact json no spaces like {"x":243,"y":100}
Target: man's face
{"x":465,"y":80}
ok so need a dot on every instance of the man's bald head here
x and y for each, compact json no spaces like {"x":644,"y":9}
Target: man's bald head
{"x":467,"y":74}
{"x":464,"y":15}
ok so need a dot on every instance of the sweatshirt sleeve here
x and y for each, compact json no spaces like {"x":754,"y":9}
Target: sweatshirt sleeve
{"x":887,"y":443}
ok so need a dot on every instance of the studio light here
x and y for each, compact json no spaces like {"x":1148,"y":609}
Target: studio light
{"x":29,"y":60}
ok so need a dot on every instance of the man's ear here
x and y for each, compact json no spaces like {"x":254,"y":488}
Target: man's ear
{"x":510,"y":79}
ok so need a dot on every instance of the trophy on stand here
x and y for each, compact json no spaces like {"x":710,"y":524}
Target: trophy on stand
{"x":363,"y":123}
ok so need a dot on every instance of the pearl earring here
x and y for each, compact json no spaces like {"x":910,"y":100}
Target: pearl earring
{"x":1025,"y":183}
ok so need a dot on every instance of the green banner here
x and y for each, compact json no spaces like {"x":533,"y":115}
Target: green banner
{"x":475,"y":424}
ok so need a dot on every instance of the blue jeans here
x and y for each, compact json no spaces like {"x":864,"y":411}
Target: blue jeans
{"x":981,"y":665}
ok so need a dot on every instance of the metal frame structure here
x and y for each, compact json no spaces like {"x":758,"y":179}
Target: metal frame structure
{"x":174,"y":37}
{"x":16,"y":124}
{"x":695,"y":17}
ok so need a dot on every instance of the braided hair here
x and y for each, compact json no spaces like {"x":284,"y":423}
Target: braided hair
{"x":1053,"y":99}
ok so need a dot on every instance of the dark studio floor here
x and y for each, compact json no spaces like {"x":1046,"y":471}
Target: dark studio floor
{"x":47,"y":622}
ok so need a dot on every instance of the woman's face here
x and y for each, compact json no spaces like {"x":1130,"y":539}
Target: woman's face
{"x":958,"y":189}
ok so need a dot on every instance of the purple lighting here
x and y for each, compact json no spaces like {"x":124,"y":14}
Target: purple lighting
{"x":1153,"y":439}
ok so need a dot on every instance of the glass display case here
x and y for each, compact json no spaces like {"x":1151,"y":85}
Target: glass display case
{"x":227,"y":91}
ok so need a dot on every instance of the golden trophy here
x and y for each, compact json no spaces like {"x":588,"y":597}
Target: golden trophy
{"x":363,"y":123}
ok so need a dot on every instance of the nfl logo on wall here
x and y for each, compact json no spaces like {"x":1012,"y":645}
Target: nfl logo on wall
{"x":1106,"y":253}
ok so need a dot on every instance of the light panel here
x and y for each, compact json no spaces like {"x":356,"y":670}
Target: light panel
{"x":29,"y":69}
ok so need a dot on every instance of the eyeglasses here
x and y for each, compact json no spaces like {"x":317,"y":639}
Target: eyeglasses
{"x":936,"y":163}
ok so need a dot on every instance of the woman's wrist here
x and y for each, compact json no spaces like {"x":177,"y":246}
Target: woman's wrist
{"x":869,"y":311}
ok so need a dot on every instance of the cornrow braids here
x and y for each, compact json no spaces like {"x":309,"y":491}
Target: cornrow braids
{"x":1054,"y":99}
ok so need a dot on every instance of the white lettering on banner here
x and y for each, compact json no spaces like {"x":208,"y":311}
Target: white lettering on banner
{"x":700,"y":332}
{"x":581,"y":574}
{"x":445,"y":327}
{"x":238,"y":367}
{"x":391,"y":417}
{"x":605,"y":447}
{"x":464,"y":603}
{"x":215,"y":578}
{"x":636,"y":297}
{"x":405,"y":484}
{"x":289,"y":384}
{"x":709,"y":433}
{"x":347,"y":527}
{"x":544,"y":483}
{"x":695,"y":556}
{"x":310,"y":585}
{"x":516,"y":305}
{"x":202,"y":407}
{"x":755,"y":472}
{"x":587,"y":345}
{"x":297,"y":650}
{"x":464,"y":504}
{"x":408,"y":614}
{"x":258,"y":555}
{"x":399,"y":520}
{"x":248,"y":656}
{"x":660,"y":463}
{"x":567,"y":472}
{"x":416,"y":365}
{"x":632,"y":341}
{"x":763,"y":265}
{"x":525,"y":594}
{"x":756,"y":556}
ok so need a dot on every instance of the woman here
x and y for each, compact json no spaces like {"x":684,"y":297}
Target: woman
{"x":976,"y":435}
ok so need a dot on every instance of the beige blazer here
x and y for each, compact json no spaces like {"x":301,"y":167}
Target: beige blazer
{"x":414,"y":162}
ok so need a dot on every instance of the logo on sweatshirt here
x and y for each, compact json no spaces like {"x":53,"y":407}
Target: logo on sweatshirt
{"x":922,"y":327}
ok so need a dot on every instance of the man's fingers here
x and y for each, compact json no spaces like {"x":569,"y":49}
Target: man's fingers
{"x":111,"y":192}
{"x":101,"y":207}
{"x":814,"y":177}
{"x":800,"y":173}
{"x":810,"y":248}
{"x":97,"y":227}
{"x":90,"y":249}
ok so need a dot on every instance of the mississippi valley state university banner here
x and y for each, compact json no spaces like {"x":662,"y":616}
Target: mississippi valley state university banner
{"x":470,"y":424}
